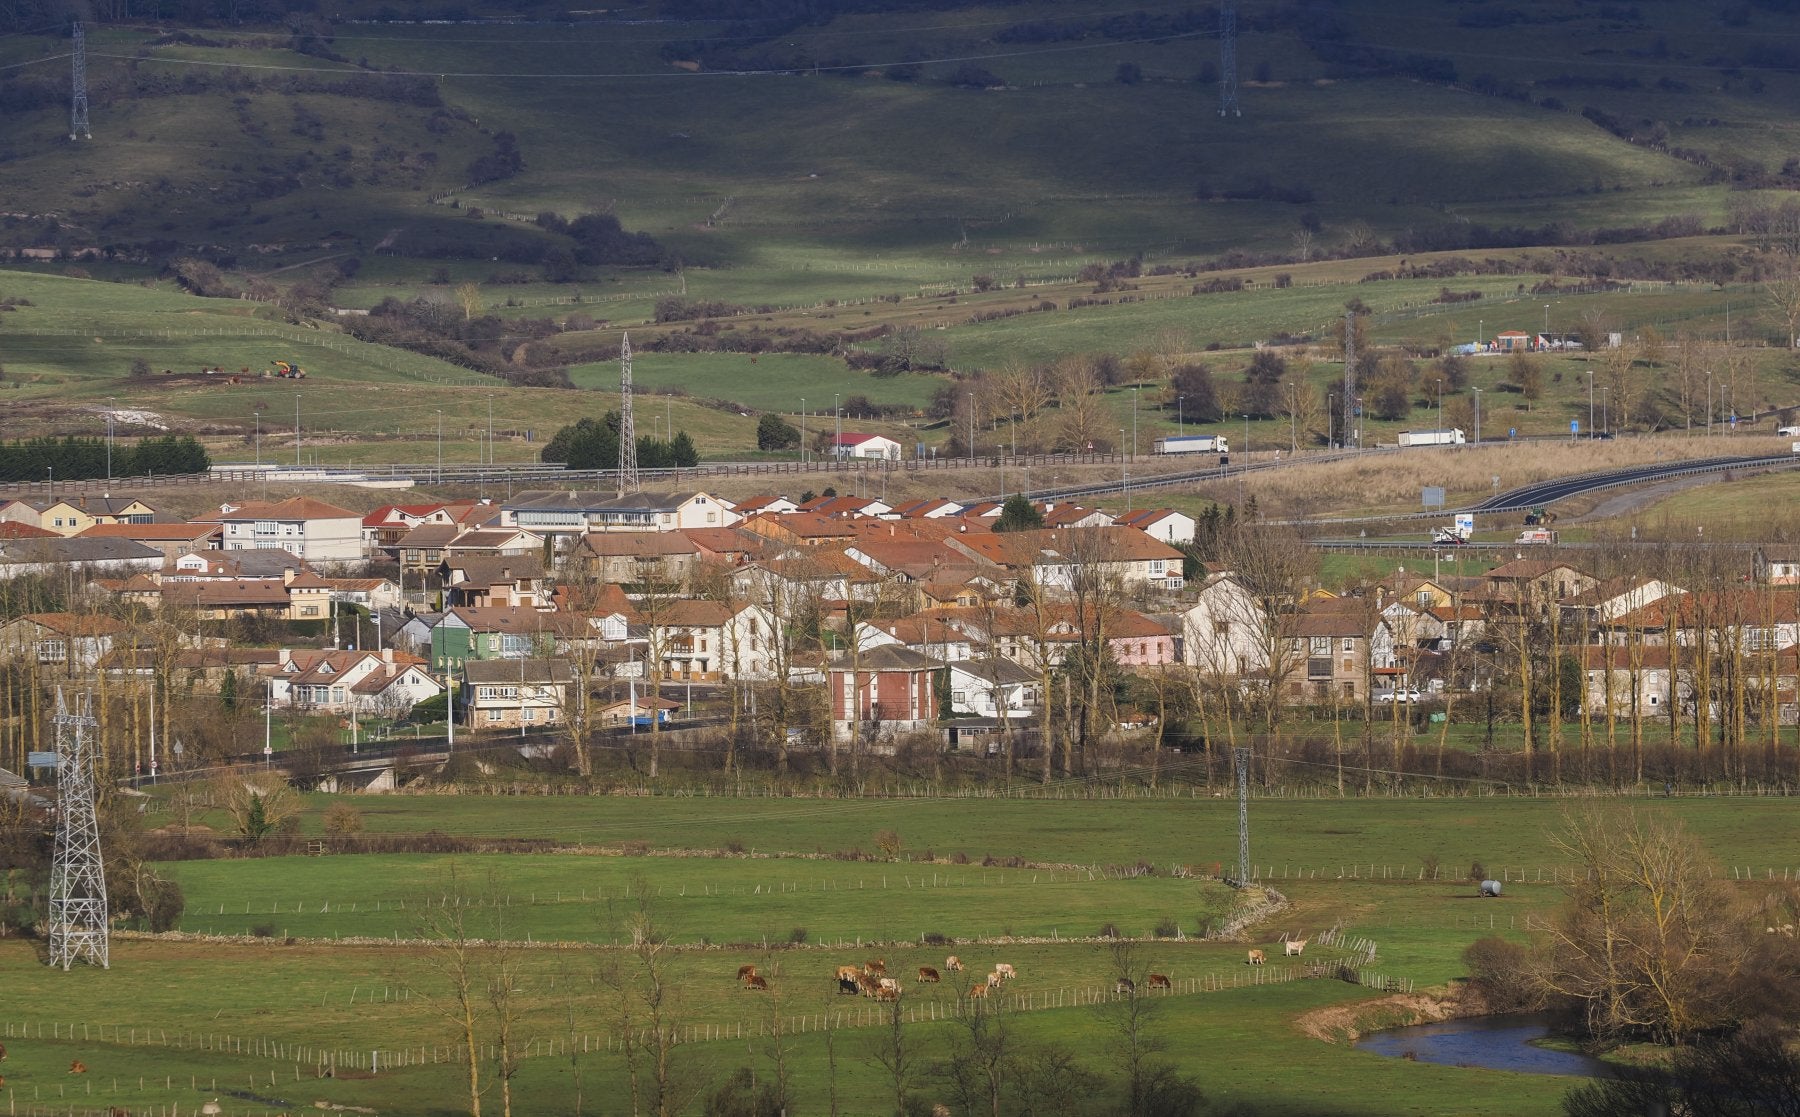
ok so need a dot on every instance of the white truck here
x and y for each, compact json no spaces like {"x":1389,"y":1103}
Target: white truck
{"x":1538,"y":536}
{"x":1452,"y":437}
{"x":1192,"y":444}
{"x":1459,"y":532}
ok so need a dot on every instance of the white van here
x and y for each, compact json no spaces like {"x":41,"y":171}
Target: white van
{"x":1787,"y":432}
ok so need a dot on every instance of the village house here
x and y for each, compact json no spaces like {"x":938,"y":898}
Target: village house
{"x":70,"y":516}
{"x":74,"y":640}
{"x":1332,"y":656}
{"x":983,"y":688}
{"x":316,"y":531}
{"x":173,"y":540}
{"x":565,"y":515}
{"x":81,"y":558}
{"x":493,"y":582}
{"x":466,"y":634}
{"x":888,"y":690}
{"x":1163,"y":524}
{"x":711,"y":641}
{"x":850,"y":445}
{"x":382,"y":683}
{"x":663,"y":558}
{"x":509,"y":694}
{"x":1625,"y":680}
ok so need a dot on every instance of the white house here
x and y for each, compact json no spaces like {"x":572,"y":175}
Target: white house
{"x":565,"y":515}
{"x":1163,"y":524}
{"x":368,"y":682}
{"x":1223,"y":630}
{"x":864,"y":446}
{"x":705,"y":641}
{"x":315,"y":531}
{"x":501,"y":693}
{"x":982,"y":688}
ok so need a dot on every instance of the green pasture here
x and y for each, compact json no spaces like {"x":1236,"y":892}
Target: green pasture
{"x":1243,"y":1045}
{"x":764,"y":382}
{"x":559,"y":898}
{"x":1090,"y":827}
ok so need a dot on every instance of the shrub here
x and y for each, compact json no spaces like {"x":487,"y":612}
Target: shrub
{"x":797,"y":936}
{"x":888,"y":842}
{"x":959,"y":858}
{"x":1109,"y":930}
{"x":1497,"y":968}
{"x":1431,"y":866}
{"x":342,"y":819}
{"x":935,"y":938}
{"x":734,"y":846}
{"x":263,"y":930}
{"x":1477,"y":871}
{"x":1167,"y":929}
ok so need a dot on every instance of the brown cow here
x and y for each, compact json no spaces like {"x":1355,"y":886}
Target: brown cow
{"x":2,"y":1052}
{"x":867,"y":984}
{"x":993,"y":980}
{"x":890,"y":990}
{"x":953,"y":964}
{"x":848,"y":973}
{"x":756,"y":984}
{"x":78,"y":1067}
{"x":1257,"y":958}
{"x":746,"y":971}
{"x":926,"y":973}
{"x":876,"y":967}
{"x":978,"y":990}
{"x":1161,"y":981}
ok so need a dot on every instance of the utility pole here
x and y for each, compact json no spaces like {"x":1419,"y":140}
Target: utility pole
{"x":78,"y":917}
{"x":296,"y":430}
{"x":1228,"y":79}
{"x":628,"y":463}
{"x":78,"y":98}
{"x":1241,"y":761}
{"x":109,"y":436}
{"x":1349,"y":374}
{"x":1477,"y":392}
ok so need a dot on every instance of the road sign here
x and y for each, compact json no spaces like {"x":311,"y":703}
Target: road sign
{"x":1432,"y":496}
{"x":1512,"y":432}
{"x":1574,"y":426}
{"x":40,"y":760}
{"x":1465,"y":523}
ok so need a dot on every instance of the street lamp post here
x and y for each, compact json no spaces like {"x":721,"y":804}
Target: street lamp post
{"x":1546,"y":323}
{"x":1605,"y":420}
{"x":1477,"y":392}
{"x":1180,"y":405}
{"x":1590,"y":373}
{"x":1440,"y":388}
{"x":440,"y":465}
{"x":1124,"y":473}
{"x":109,"y":436}
{"x":837,"y":446}
{"x":1709,"y":412}
{"x":802,"y":430}
{"x":1134,"y":402}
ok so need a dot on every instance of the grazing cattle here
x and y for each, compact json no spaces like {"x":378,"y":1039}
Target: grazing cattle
{"x":1257,"y":958}
{"x":867,"y":984}
{"x":1293,"y":947}
{"x":1005,"y":971}
{"x":756,"y":984}
{"x":78,"y":1067}
{"x":1126,"y":986}
{"x":1161,"y":981}
{"x":889,"y":991}
{"x":978,"y":990}
{"x":952,"y":963}
{"x":993,"y":980}
{"x":848,"y":973}
{"x":887,"y":983}
{"x":848,"y":985}
{"x":926,"y":973}
{"x":746,"y":971}
{"x":2,"y":1052}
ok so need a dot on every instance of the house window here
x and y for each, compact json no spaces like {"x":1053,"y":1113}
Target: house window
{"x":493,"y":715}
{"x":1349,"y":643}
{"x":309,"y":610}
{"x":59,"y":522}
{"x":1320,"y":645}
{"x":52,"y":651}
{"x":529,"y":714}
{"x":1424,"y":597}
{"x":959,"y":697}
{"x":1157,"y":566}
{"x":1221,"y":628}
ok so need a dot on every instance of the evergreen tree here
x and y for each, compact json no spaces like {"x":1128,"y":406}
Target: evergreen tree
{"x":1019,"y":514}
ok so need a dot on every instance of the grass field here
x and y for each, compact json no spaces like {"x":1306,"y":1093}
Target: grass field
{"x":320,"y":1001}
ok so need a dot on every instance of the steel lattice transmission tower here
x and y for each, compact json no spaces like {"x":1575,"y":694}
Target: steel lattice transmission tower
{"x":78,"y":109}
{"x":1228,"y":101}
{"x":78,"y":927}
{"x":628,"y":469}
{"x":1349,"y":375}
{"x":1241,"y":759}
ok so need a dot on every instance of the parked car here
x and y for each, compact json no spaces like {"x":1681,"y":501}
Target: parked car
{"x":1788,"y":432}
{"x":1402,"y":695}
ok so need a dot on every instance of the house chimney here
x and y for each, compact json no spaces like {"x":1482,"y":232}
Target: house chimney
{"x":387,"y":655}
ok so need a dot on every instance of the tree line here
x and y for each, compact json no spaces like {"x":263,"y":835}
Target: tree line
{"x":594,"y":444}
{"x":77,"y":459}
